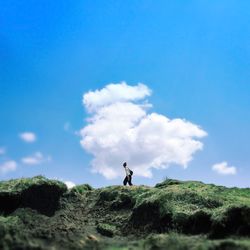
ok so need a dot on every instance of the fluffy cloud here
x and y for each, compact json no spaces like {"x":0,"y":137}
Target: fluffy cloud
{"x":28,"y":137}
{"x":35,"y":159}
{"x":113,"y":93}
{"x":69,"y":184}
{"x":8,"y":166}
{"x":224,"y":169}
{"x":2,"y":150}
{"x":120,"y":128}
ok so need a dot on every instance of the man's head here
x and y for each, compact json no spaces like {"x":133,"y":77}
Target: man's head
{"x":124,"y":164}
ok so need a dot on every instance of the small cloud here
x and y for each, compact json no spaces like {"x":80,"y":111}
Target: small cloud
{"x":2,"y":151}
{"x":28,"y":137}
{"x":69,"y":184}
{"x":35,"y":159}
{"x":8,"y":166}
{"x":67,"y":126}
{"x":223,"y":168}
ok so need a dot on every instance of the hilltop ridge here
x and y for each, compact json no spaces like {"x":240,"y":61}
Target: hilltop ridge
{"x":38,"y":213}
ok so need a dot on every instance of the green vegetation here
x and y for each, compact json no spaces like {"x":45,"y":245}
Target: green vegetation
{"x":80,"y":189}
{"x":37,"y":193}
{"x":19,"y":185}
{"x":38,"y":213}
{"x":106,"y":229}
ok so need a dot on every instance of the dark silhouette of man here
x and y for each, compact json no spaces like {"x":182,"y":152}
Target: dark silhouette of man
{"x":128,"y":177}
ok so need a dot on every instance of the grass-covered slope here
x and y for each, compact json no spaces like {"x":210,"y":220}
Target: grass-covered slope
{"x":37,"y":193}
{"x":38,"y":213}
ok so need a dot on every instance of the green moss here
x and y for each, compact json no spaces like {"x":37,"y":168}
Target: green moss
{"x":167,"y":182}
{"x":106,"y":229}
{"x":18,"y":185}
{"x":37,"y":193}
{"x":175,"y":241}
{"x":80,"y":189}
{"x":172,"y":215}
{"x":8,"y":222}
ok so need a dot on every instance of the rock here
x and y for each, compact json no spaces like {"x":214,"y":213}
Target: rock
{"x":92,"y":237}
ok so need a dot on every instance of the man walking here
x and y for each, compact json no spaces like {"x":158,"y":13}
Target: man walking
{"x":129,"y":174}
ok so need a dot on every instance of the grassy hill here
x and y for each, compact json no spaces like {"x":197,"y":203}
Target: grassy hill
{"x":38,"y":213}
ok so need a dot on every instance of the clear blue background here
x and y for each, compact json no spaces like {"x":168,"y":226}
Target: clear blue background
{"x":194,"y":55}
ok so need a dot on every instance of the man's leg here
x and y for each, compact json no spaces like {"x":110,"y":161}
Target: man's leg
{"x":125,"y":181}
{"x":129,"y":180}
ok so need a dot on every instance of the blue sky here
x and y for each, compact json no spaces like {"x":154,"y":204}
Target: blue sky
{"x":193,"y":55}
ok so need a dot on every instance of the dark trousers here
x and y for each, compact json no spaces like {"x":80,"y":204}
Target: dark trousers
{"x":128,"y":180}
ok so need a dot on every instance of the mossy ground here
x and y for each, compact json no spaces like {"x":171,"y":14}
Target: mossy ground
{"x":172,"y":215}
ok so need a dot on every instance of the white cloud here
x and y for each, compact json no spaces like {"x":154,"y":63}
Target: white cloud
{"x":2,"y":151}
{"x":224,"y":169}
{"x":8,"y":166}
{"x":114,"y":93}
{"x":67,"y":126}
{"x":69,"y":184}
{"x":28,"y":137}
{"x":35,"y":159}
{"x":120,"y":129}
